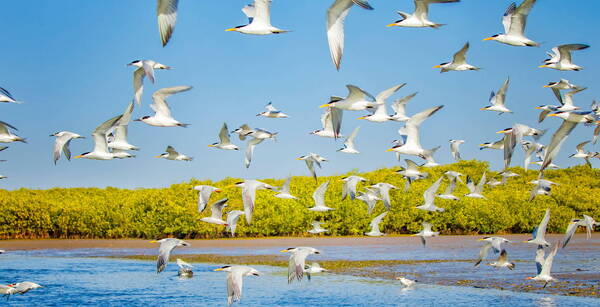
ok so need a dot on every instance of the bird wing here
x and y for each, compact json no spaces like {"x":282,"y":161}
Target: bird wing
{"x":507,"y":17}
{"x":248,"y":198}
{"x":262,"y":14}
{"x":429,"y":194}
{"x":148,"y":70}
{"x":580,"y":146}
{"x":319,"y":194}
{"x":571,"y":229}
{"x":483,"y":252}
{"x":232,"y":219}
{"x":500,"y":96}
{"x":171,"y":151}
{"x":470,"y":184}
{"x":164,"y":251}
{"x":336,"y":121}
{"x":481,"y":184}
{"x":6,"y":93}
{"x":182,"y":264}
{"x":548,"y":262}
{"x":461,"y":56}
{"x":270,"y":107}
{"x":399,"y":105}
{"x":539,"y":258}
{"x":4,"y":127}
{"x":541,"y":229}
{"x":565,"y":51}
{"x":411,"y":128}
{"x":383,"y":95}
{"x":203,"y":197}
{"x":167,"y":16}
{"x":99,"y":134}
{"x":350,"y":140}
{"x":160,"y":105}
{"x":518,"y":19}
{"x":421,"y":9}
{"x":126,"y":117}
{"x":250,"y":150}
{"x":296,"y":265}
{"x":217,"y":208}
{"x":451,"y":186}
{"x":375,"y":222}
{"x":336,"y":15}
{"x":60,"y":143}
{"x":503,"y":257}
{"x":355,"y":93}
{"x":285,"y":188}
{"x":138,"y":84}
{"x":234,"y":286}
{"x":224,"y":135}
{"x":557,"y":140}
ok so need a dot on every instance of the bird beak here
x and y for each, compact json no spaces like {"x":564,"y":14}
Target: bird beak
{"x":501,"y":131}
{"x":231,"y":29}
{"x":218,"y":191}
{"x":391,"y":25}
{"x":211,"y":145}
{"x":528,"y":278}
{"x":479,"y":239}
{"x":538,"y":108}
{"x":77,"y":157}
{"x":483,"y":109}
{"x":553,"y":114}
{"x":298,"y":159}
{"x":153,"y":241}
{"x":391,"y":149}
{"x":284,"y":251}
{"x":437,"y":66}
{"x":157,"y":156}
{"x":546,"y":86}
{"x":542,"y":66}
{"x":219,"y":269}
{"x":362,"y":117}
{"x":325,"y":105}
{"x":488,"y":38}
{"x":481,"y":144}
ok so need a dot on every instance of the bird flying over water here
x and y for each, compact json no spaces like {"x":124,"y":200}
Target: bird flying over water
{"x":539,"y":232}
{"x":233,"y":217}
{"x":167,"y":245}
{"x":426,"y":232}
{"x":493,"y":243}
{"x":544,"y":266}
{"x":375,"y":232}
{"x":297,"y":261}
{"x":235,"y":279}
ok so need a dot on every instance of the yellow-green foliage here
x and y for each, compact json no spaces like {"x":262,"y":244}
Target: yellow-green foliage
{"x":152,"y":213}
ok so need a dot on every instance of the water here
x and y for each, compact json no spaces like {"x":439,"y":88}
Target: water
{"x":74,"y":278}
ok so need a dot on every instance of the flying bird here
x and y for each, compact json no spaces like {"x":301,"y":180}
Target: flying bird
{"x":319,"y":198}
{"x":429,"y":197}
{"x":204,"y":193}
{"x":493,"y":243}
{"x":284,"y":191}
{"x":145,"y":69}
{"x":419,"y":18}
{"x":233,"y":217}
{"x":5,"y":96}
{"x":252,"y":143}
{"x":313,"y":268}
{"x":349,"y":187}
{"x":311,"y":159}
{"x":399,"y":107}
{"x":224,"y":140}
{"x":167,"y":245}
{"x":539,"y":232}
{"x":355,"y":101}
{"x":514,"y":22}
{"x":375,"y":232}
{"x":249,"y":188}
{"x":216,"y":210}
{"x":316,"y":228}
{"x":476,"y":191}
{"x":459,"y":61}
{"x":331,"y":121}
{"x":6,"y":136}
{"x":560,"y":58}
{"x":172,"y":154}
{"x":384,"y":193}
{"x":61,"y":144}
{"x":259,"y":19}
{"x":99,"y":136}
{"x":412,"y":145}
{"x":588,"y":222}
{"x":503,"y":262}
{"x":497,"y":100}
{"x":426,"y":232}
{"x":119,"y":144}
{"x":454,"y":149}
{"x":297,"y":261}
{"x":541,"y":187}
{"x":349,"y":146}
{"x":370,"y":198}
{"x":235,"y":279}
{"x":166,"y":12}
{"x":544,"y":266}
{"x":449,"y":189}
{"x":380,"y":114}
{"x":582,"y":154}
{"x":162,"y":113}
{"x":271,"y":112}
{"x":570,"y":120}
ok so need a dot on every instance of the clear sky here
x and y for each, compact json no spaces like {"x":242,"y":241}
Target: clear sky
{"x":66,"y":59}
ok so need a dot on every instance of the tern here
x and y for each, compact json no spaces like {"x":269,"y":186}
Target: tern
{"x":380,"y":113}
{"x":476,"y":191}
{"x":349,"y":187}
{"x":570,"y":120}
{"x":426,"y":232}
{"x":172,"y":154}
{"x":454,"y":149}
{"x":61,"y":144}
{"x":216,"y":215}
{"x":531,"y":148}
{"x":259,"y":19}
{"x":224,"y":140}
{"x":355,"y":101}
{"x":204,"y":193}
{"x":561,"y":57}
{"x":297,"y":261}
{"x":311,"y":159}
{"x":166,"y":12}
{"x":235,"y":279}
{"x":164,"y":251}
{"x":541,"y":187}
{"x":5,"y":96}
{"x":449,"y":190}
{"x":588,"y":222}
{"x":162,"y":116}
{"x":313,"y":268}
{"x":429,"y":197}
{"x":6,"y":136}
{"x":582,"y":154}
{"x":567,"y":100}
{"x":493,"y":145}
{"x":399,"y":107}
{"x":243,"y":131}
{"x":459,"y":61}
{"x":539,"y":232}
{"x":412,"y":171}
{"x":544,"y":266}
{"x":119,"y":141}
{"x":407,"y":283}
{"x":336,"y":14}
{"x":185,"y":269}
{"x":319,"y":198}
{"x":513,"y":136}
{"x":514,"y":22}
{"x":316,"y":228}
{"x":497,"y":100}
{"x":99,"y":135}
{"x":271,"y":112}
{"x":562,"y":84}
{"x":250,"y":150}
{"x":233,"y":217}
{"x":349,"y":146}
{"x":331,"y":121}
{"x":493,"y":243}
{"x":384,"y":193}
{"x":145,"y":68}
{"x":24,"y":287}
{"x":429,"y":160}
{"x":375,"y":232}
{"x":412,"y":145}
{"x":249,"y":188}
{"x":418,"y":19}
{"x":370,"y":198}
{"x":284,"y":191}
{"x":503,"y":262}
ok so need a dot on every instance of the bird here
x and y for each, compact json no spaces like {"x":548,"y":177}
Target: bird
{"x":418,"y":19}
{"x":581,"y":154}
{"x":540,"y":231}
{"x":331,"y":121}
{"x":316,"y":228}
{"x":503,"y":261}
{"x":233,"y":217}
{"x":166,"y":12}
{"x":259,"y":19}
{"x":514,"y":22}
{"x":252,"y":143}
{"x":216,"y":216}
{"x":567,"y":100}
{"x":249,"y":187}
{"x":399,"y":107}
{"x":506,"y":174}
{"x":204,"y":193}
{"x":262,"y":134}
{"x":561,"y":58}
{"x":544,"y":266}
{"x":7,"y":291}
{"x":492,"y":145}
{"x":349,"y":146}
{"x":235,"y":279}
{"x":412,"y":145}
{"x":530,"y":149}
{"x":61,"y":144}
{"x":375,"y":232}
{"x":370,"y":198}
{"x":429,"y":197}
{"x":284,"y":191}
{"x":497,"y":100}
{"x":541,"y":187}
{"x":145,"y":68}
{"x":99,"y":136}
{"x":459,"y":62}
{"x":224,"y":140}
{"x":407,"y":283}
{"x":311,"y":159}
{"x":476,"y":191}
{"x":588,"y":222}
{"x":570,"y":120}
{"x":453,"y":175}
{"x":271,"y":112}
{"x":493,"y":243}
{"x":164,"y":251}
{"x":349,"y":187}
{"x":355,"y":101}
{"x":6,"y":136}
{"x":557,"y":86}
{"x":185,"y":269}
{"x":172,"y":154}
{"x":426,"y":232}
{"x":6,"y":96}
{"x":162,"y":113}
{"x":313,"y":268}
{"x":319,"y":198}
{"x":243,"y":131}
{"x":513,"y":136}
{"x":429,"y":160}
{"x":384,"y":193}
{"x":454,"y":144}
{"x":297,"y":261}
{"x":119,"y":141}
{"x":336,"y":14}
{"x":380,"y":114}
{"x":412,"y":172}
{"x":24,"y":287}
{"x":449,"y":190}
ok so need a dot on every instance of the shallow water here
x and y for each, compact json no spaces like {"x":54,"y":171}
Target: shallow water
{"x":71,"y":277}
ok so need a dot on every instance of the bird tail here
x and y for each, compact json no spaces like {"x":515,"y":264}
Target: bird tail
{"x":511,"y":266}
{"x":183,"y":125}
{"x":437,"y":25}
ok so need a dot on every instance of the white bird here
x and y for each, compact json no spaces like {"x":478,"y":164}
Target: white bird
{"x":503,"y":262}
{"x":162,"y":113}
{"x":271,"y":112}
{"x":588,"y":222}
{"x":449,"y":190}
{"x":412,"y":145}
{"x":249,"y":187}
{"x":582,"y":154}
{"x":233,"y":217}
{"x":118,"y":143}
{"x":311,"y":159}
{"x":331,"y":121}
{"x":243,"y":131}
{"x":454,"y":149}
{"x":513,"y":136}
{"x":316,"y":228}
{"x":426,"y":232}
{"x":493,"y":243}
{"x":224,"y":140}
{"x":284,"y":191}
{"x":319,"y":198}
{"x":185,"y":269}
{"x":566,"y":101}
{"x":570,"y":120}
{"x":204,"y":192}
{"x":514,"y":22}
{"x":412,"y":172}
{"x":429,"y":160}
{"x":476,"y":191}
{"x":313,"y":268}
{"x":259,"y":19}
{"x":530,"y":149}
{"x":5,"y":96}
{"x":370,"y":198}
{"x":541,"y":187}
{"x":349,"y":146}
{"x":380,"y":114}
{"x":544,"y":266}
{"x":498,"y":100}
{"x":336,"y":14}
{"x":252,"y":143}
{"x":561,"y":57}
{"x":6,"y":136}
{"x":24,"y":287}
{"x":145,"y":68}
{"x":429,"y":197}
{"x":99,"y":136}
{"x":562,"y":84}
{"x":418,"y":19}
{"x":355,"y":101}
{"x":384,"y":193}
{"x":297,"y":261}
{"x":349,"y":187}
{"x":375,"y":232}
{"x":216,"y":213}
{"x":172,"y":154}
{"x":262,"y":134}
{"x":492,"y":145}
{"x":235,"y":279}
{"x":61,"y":144}
{"x":539,"y":232}
{"x":166,"y":12}
{"x":406,"y":282}
{"x":164,"y":251}
{"x":459,"y":61}
{"x":399,"y":107}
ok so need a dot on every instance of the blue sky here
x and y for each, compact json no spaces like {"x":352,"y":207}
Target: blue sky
{"x":67,"y":61}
